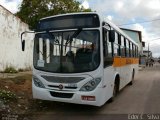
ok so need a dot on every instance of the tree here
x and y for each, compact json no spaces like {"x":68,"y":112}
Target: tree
{"x":31,"y":11}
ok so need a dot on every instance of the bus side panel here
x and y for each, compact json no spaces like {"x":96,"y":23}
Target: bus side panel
{"x":109,"y":74}
{"x":126,"y":66}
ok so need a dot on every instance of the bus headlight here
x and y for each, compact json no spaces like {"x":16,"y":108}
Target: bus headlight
{"x":37,"y":82}
{"x":91,"y":85}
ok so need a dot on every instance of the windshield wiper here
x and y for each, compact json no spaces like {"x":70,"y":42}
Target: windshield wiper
{"x":50,"y":34}
{"x":70,"y":38}
{"x":76,"y":33}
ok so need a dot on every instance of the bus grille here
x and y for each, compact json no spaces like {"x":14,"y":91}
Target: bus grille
{"x":61,"y":95}
{"x":63,"y":79}
{"x":54,"y":86}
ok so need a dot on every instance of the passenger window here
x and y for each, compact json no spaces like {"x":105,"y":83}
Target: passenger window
{"x":119,"y":43}
{"x":133,"y":55}
{"x":135,"y":51}
{"x":130,"y":49}
{"x":107,"y":44}
{"x":123,"y":46}
{"x":107,"y":49}
{"x":127,"y":48}
{"x":116,"y":45}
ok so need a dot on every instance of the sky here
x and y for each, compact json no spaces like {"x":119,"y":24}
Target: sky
{"x":142,"y":15}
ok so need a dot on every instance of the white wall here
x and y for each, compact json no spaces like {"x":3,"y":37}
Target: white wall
{"x":11,"y":54}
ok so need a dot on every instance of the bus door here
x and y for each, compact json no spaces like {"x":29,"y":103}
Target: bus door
{"x":108,"y":59}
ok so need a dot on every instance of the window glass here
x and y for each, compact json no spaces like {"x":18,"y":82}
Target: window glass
{"x":122,"y":46}
{"x":135,"y":51}
{"x":116,"y":45}
{"x":127,"y":48}
{"x":116,"y":38}
{"x":70,"y":21}
{"x":60,"y":52}
{"x":133,"y":55}
{"x":107,"y":46}
{"x":130,"y":49}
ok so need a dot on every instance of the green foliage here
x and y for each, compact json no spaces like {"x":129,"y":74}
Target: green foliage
{"x":25,"y":69}
{"x":21,"y":70}
{"x":10,"y":70}
{"x":31,"y":11}
{"x":7,"y":96}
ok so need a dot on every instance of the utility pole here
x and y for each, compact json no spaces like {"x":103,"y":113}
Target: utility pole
{"x":148,"y":56}
{"x":148,"y":51}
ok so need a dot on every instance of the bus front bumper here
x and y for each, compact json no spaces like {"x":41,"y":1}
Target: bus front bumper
{"x":94,"y":98}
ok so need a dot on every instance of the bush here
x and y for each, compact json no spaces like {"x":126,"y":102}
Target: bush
{"x":21,"y":70}
{"x":25,"y":69}
{"x":10,"y":70}
{"x":7,"y":96}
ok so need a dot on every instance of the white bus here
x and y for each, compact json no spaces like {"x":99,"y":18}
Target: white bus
{"x":81,"y":58}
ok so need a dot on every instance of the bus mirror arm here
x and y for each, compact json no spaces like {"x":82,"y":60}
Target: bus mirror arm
{"x":23,"y":40}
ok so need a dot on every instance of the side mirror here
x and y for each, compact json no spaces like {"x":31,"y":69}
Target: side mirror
{"x":111,"y":36}
{"x":23,"y":41}
{"x":23,"y":45}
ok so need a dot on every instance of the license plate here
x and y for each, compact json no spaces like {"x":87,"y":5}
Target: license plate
{"x":88,"y":98}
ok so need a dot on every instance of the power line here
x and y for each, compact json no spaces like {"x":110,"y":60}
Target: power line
{"x":139,"y":22}
{"x":149,"y":41}
{"x":155,"y":34}
{"x":155,"y":39}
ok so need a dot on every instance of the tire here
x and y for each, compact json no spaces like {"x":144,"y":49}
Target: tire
{"x":131,"y":83}
{"x":115,"y":92}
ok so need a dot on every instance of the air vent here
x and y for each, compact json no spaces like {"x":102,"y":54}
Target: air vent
{"x":63,"y":79}
{"x":61,"y":95}
{"x":54,"y":86}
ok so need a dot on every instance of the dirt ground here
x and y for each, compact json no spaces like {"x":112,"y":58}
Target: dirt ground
{"x":20,"y":84}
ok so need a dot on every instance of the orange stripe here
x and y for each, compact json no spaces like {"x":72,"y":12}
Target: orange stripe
{"x":119,"y":62}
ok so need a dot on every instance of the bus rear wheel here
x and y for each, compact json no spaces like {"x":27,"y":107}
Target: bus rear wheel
{"x":131,"y":83}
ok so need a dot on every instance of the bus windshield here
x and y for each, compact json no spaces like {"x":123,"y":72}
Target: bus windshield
{"x":67,"y":51}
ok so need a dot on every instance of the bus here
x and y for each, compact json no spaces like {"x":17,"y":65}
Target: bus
{"x":81,"y":58}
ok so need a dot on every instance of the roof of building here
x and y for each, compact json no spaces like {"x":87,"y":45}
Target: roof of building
{"x":132,"y":34}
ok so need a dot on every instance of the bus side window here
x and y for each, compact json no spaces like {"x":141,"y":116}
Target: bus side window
{"x":107,"y":49}
{"x":119,"y":43}
{"x":130,"y":49}
{"x":133,"y":50}
{"x":127,"y":48}
{"x":137,"y":53}
{"x":116,"y":45}
{"x":123,"y":52}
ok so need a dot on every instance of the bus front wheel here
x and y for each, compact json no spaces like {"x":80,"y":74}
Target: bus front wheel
{"x":115,"y":91}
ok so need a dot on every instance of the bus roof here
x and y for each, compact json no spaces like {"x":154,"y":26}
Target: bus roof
{"x":76,"y":13}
